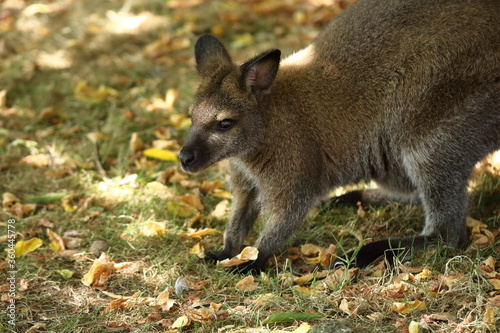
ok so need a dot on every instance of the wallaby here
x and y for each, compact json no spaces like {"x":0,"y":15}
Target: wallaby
{"x":402,"y":92}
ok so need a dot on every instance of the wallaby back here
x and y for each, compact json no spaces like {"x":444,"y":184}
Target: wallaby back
{"x":403,"y":92}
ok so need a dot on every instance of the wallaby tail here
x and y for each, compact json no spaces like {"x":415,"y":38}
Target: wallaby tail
{"x":392,"y":249}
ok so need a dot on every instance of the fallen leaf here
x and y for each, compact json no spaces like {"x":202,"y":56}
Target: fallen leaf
{"x":193,"y":200}
{"x":221,"y":209}
{"x":303,"y":328}
{"x":85,"y":93}
{"x":249,"y":253}
{"x":23,"y":247}
{"x":56,"y":241}
{"x":198,"y":250}
{"x":98,"y":275}
{"x":65,"y":273}
{"x":199,"y":233}
{"x":264,"y":299}
{"x":161,"y":154}
{"x":164,"y":301}
{"x":181,"y":322}
{"x":152,"y":229}
{"x":204,"y":314}
{"x":247,"y":284}
{"x":413,"y":327}
{"x":489,"y":318}
{"x":405,"y":308}
{"x":181,"y":209}
{"x":347,"y":307}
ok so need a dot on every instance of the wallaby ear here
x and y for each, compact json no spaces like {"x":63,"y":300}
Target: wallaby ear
{"x":210,"y":54}
{"x":259,"y":73}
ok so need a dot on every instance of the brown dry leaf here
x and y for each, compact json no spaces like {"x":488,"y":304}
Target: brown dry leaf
{"x":437,"y":317}
{"x":309,"y":277}
{"x":85,"y":93}
{"x":211,"y":186}
{"x":220,"y":211}
{"x":396,"y":290}
{"x":204,"y":315}
{"x":196,"y":233}
{"x":340,"y":276}
{"x":181,"y":209}
{"x":312,"y":254}
{"x":36,"y":327}
{"x":135,"y":144}
{"x":196,"y":285}
{"x":426,"y":273}
{"x":247,"y":284}
{"x":152,"y":229}
{"x":494,"y":301}
{"x":98,"y":275}
{"x":249,"y":253}
{"x":328,"y":256}
{"x":12,"y":205}
{"x":198,"y":250}
{"x":56,"y":241}
{"x":264,"y":299}
{"x":163,"y":300}
{"x":405,"y":308}
{"x":37,"y":160}
{"x":193,"y":200}
{"x":361,"y":211}
{"x":347,"y":307}
{"x":489,"y":318}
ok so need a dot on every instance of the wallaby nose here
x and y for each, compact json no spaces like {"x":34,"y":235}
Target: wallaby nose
{"x":187,"y":158}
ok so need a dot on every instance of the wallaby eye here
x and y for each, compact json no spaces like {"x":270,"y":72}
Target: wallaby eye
{"x":225,"y":124}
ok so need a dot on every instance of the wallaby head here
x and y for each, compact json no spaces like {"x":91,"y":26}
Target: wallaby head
{"x":227,"y":118}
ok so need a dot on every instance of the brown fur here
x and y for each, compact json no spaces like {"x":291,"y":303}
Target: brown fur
{"x":403,"y":92}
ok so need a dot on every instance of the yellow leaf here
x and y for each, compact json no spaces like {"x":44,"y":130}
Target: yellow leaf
{"x":97,"y":276}
{"x":306,"y":291}
{"x":152,"y":229}
{"x":424,"y":274}
{"x":405,"y":308}
{"x":23,"y":247}
{"x":181,"y":209}
{"x":247,"y":284}
{"x":495,"y":283}
{"x":161,"y":154}
{"x":85,"y":93}
{"x":223,"y":194}
{"x":198,"y":250}
{"x":181,"y":322}
{"x":489,"y":318}
{"x":199,"y":233}
{"x":57,"y":243}
{"x":193,"y":200}
{"x":265,"y":299}
{"x":303,"y":328}
{"x":249,"y":253}
{"x":413,"y":327}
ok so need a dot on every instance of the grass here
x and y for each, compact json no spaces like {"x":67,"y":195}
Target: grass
{"x":56,"y":137}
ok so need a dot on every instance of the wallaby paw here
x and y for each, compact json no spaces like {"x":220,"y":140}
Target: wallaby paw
{"x":249,"y":268}
{"x":214,"y":257}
